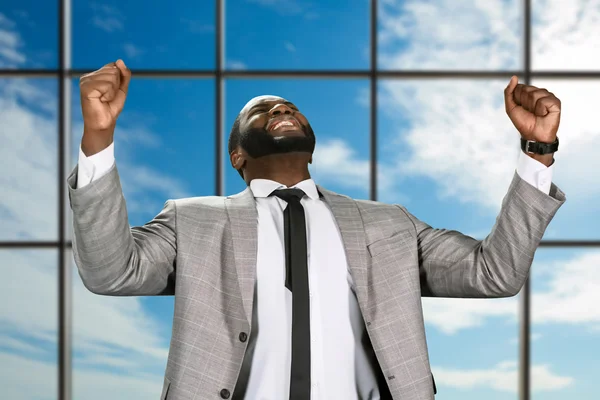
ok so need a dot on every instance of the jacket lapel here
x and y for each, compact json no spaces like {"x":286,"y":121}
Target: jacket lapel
{"x":243,"y":220}
{"x":352,"y":230}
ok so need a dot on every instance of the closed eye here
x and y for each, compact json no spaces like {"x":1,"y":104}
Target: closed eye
{"x":258,"y":111}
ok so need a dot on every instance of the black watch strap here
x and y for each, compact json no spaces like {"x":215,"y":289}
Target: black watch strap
{"x":533,"y":147}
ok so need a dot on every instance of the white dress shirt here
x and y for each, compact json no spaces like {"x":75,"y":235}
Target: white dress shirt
{"x":340,"y":366}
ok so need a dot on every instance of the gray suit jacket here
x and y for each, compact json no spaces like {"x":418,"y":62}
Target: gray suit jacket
{"x":203,"y":250}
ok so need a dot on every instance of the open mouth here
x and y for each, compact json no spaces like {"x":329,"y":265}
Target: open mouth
{"x":283,"y":125}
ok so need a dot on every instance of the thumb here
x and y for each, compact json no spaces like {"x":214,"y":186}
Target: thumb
{"x":509,"y":100}
{"x":121,"y":94}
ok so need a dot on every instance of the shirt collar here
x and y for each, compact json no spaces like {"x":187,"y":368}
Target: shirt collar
{"x":264,"y":187}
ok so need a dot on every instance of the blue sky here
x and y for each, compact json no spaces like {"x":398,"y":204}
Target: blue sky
{"x":447,"y":151}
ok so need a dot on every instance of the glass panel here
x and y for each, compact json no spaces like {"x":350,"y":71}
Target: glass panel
{"x":120,"y":344}
{"x":564,"y":35}
{"x":29,"y":324}
{"x":28,"y":34}
{"x":164,"y":142}
{"x":28,"y":159}
{"x":447,"y":150}
{"x":473,"y":347}
{"x":337,"y":110}
{"x":275,"y":35}
{"x":444,"y":35}
{"x":565,"y":324}
{"x":169,"y":35}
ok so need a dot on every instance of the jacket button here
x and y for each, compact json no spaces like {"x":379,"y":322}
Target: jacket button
{"x":243,"y":336}
{"x":225,"y":393}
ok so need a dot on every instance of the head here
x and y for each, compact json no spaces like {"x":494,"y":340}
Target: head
{"x":270,"y":133}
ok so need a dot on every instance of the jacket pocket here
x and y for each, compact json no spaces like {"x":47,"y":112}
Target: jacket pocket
{"x":397,"y":240}
{"x":165,"y":391}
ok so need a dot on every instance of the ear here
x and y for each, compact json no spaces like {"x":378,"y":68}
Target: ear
{"x":237,"y":159}
{"x":310,"y":160}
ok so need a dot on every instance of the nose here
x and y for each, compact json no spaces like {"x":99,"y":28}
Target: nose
{"x":280,"y":109}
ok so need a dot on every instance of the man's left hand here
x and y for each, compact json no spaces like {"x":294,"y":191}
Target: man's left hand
{"x":534,"y":112}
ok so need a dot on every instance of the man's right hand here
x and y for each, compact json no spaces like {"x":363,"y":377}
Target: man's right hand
{"x":103,"y":93}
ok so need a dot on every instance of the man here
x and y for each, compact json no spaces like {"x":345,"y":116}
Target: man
{"x":287,"y":289}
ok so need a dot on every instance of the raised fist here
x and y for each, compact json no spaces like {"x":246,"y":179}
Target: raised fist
{"x":103,"y":94}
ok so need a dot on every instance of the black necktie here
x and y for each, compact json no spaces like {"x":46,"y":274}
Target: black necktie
{"x":294,"y":225}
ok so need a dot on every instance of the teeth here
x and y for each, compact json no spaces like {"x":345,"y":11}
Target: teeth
{"x":282,"y":123}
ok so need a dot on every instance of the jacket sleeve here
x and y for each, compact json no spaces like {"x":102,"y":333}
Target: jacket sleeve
{"x":113,"y":258}
{"x":452,"y":264}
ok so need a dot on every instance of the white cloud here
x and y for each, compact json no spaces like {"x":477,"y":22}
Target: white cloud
{"x":115,"y":332}
{"x":459,"y":136}
{"x":11,"y":43}
{"x":289,"y":46}
{"x":133,"y":51}
{"x":503,"y":377}
{"x":476,"y":145}
{"x":450,"y":34}
{"x":108,"y":18}
{"x":236,"y":65}
{"x":565,"y":35}
{"x":29,"y":153}
{"x":335,"y":162}
{"x":450,"y":316}
{"x":24,"y":379}
{"x":570,"y":289}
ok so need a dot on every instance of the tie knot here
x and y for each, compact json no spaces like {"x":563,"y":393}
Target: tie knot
{"x":291,"y":194}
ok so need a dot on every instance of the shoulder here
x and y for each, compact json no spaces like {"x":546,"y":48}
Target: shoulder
{"x":199,"y":204}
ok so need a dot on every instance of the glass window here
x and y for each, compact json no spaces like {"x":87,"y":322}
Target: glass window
{"x":444,"y":35}
{"x":447,"y":150}
{"x":473,"y":347}
{"x":565,"y":323}
{"x":276,"y":35}
{"x":338,"y":113}
{"x":29,"y":318}
{"x":29,"y":34}
{"x":28,"y":159}
{"x":171,"y":35}
{"x":564,"y":35}
{"x":120,"y":344}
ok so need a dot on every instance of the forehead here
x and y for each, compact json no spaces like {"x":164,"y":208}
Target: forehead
{"x":266,"y":99}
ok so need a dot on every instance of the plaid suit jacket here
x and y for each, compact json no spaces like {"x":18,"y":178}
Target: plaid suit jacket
{"x":203,"y":251}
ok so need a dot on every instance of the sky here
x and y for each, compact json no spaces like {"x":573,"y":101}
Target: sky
{"x":446,"y":150}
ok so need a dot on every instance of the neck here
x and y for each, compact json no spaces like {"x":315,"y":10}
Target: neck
{"x":287,"y":168}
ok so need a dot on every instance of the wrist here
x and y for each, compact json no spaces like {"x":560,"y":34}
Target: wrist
{"x":541,"y":151}
{"x":94,"y":142}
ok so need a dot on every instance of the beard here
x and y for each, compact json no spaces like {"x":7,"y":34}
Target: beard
{"x":258,"y":142}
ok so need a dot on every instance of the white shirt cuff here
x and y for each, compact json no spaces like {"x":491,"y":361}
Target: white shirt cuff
{"x":95,"y":166}
{"x":534,"y":172}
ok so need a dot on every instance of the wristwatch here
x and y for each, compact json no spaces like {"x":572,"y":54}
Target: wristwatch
{"x":533,"y":147}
